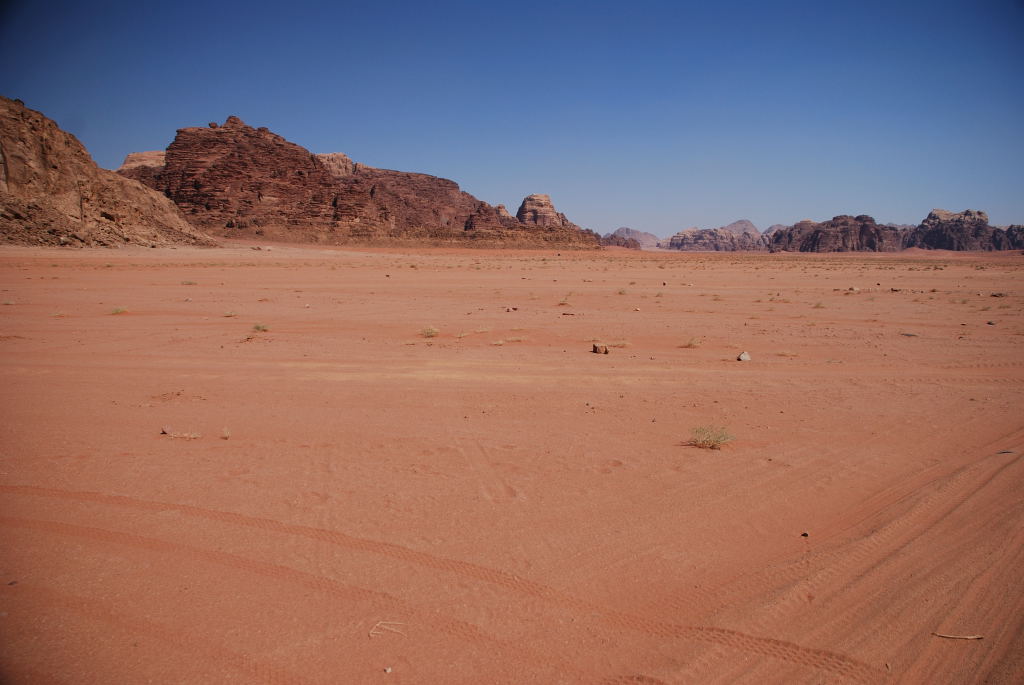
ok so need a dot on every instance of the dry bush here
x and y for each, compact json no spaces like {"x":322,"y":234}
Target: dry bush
{"x":710,"y":437}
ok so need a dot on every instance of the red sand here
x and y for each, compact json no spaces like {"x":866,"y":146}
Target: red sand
{"x":496,"y":504}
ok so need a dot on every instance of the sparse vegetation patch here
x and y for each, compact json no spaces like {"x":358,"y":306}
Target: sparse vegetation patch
{"x":709,"y":437}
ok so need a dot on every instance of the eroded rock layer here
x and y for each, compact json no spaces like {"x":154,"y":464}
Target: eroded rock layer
{"x":714,"y":240}
{"x":966,"y":230}
{"x":234,"y":179}
{"x":52,"y":192}
{"x":842,"y":233}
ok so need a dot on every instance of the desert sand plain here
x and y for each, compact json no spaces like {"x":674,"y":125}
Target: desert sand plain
{"x":340,"y":499}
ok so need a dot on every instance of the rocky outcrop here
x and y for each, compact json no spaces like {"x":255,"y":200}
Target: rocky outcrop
{"x":966,"y":230}
{"x":842,"y":233}
{"x":714,"y":240}
{"x":646,"y":241}
{"x":143,"y":166}
{"x":338,"y":164}
{"x":1015,"y":236}
{"x":741,"y":227}
{"x":771,"y":230}
{"x":941,"y":230}
{"x":237,"y":177}
{"x":538,"y":210}
{"x":618,"y":240}
{"x":52,"y":192}
{"x":739,"y":236}
{"x":235,"y":180}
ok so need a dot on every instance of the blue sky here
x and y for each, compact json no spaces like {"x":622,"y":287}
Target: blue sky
{"x":654,"y":115}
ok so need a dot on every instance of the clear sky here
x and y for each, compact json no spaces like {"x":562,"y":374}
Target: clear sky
{"x":650,"y":114}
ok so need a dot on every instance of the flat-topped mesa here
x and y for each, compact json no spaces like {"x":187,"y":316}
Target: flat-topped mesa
{"x":232,"y":178}
{"x":53,"y":193}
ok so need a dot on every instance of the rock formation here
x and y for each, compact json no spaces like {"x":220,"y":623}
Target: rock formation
{"x":618,"y":240}
{"x":338,"y":164}
{"x":941,"y":230}
{"x":714,"y":240}
{"x":1015,"y":236}
{"x":966,"y":230}
{"x":741,"y":227}
{"x":740,"y":235}
{"x":52,"y":192}
{"x":646,"y":241}
{"x":143,"y":166}
{"x":538,"y":210}
{"x":237,"y":180}
{"x":842,"y":233}
{"x":773,"y":229}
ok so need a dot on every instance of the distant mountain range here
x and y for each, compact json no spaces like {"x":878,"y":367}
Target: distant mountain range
{"x":940,"y":230}
{"x":235,"y":180}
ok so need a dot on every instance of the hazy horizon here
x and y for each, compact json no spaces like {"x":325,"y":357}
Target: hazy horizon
{"x":658,"y":116}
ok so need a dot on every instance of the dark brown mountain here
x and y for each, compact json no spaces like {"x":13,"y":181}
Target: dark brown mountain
{"x":238,"y":180}
{"x":618,"y":240}
{"x":52,"y":192}
{"x":966,"y":230}
{"x":941,"y":230}
{"x":842,"y":233}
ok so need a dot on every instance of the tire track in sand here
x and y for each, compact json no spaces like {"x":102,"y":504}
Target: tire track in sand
{"x":466,"y":632}
{"x":891,"y":530}
{"x":900,"y":515}
{"x":786,"y":651}
{"x":182,"y":640}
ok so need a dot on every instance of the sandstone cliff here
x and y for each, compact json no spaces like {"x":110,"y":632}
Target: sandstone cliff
{"x":714,"y":240}
{"x":966,"y":230}
{"x":52,"y":193}
{"x":740,"y":235}
{"x":238,"y":180}
{"x":842,"y":233}
{"x":941,"y":230}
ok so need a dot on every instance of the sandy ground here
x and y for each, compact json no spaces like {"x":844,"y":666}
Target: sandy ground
{"x":340,"y":499}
